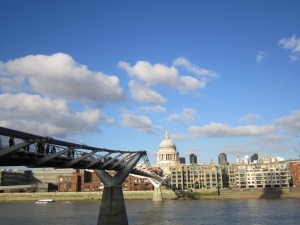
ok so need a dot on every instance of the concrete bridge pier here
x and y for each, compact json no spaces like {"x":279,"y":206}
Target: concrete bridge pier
{"x":113,"y":208}
{"x":157,"y":195}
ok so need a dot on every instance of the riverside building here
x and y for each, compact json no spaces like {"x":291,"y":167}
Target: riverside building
{"x":228,"y":175}
{"x":295,"y":173}
{"x":265,"y":175}
{"x":15,"y":177}
{"x":195,"y":176}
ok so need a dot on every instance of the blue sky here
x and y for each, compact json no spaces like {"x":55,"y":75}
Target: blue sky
{"x":222,"y":76}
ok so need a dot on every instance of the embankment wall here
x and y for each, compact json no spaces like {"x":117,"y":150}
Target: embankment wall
{"x":148,"y":195}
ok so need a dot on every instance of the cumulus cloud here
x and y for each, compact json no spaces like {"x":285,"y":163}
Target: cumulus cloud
{"x":181,"y":61}
{"x":159,"y":74}
{"x":290,"y":123}
{"x":59,"y":75}
{"x":273,"y":139}
{"x":12,"y":84}
{"x":223,"y":130}
{"x":46,"y":116}
{"x":139,"y":122}
{"x":261,"y":56}
{"x":250,"y":118}
{"x":293,"y":44}
{"x":187,"y":115}
{"x":156,"y":108}
{"x":142,"y":93}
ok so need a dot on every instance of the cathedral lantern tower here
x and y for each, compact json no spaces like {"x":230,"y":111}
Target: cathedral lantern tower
{"x":167,"y":154}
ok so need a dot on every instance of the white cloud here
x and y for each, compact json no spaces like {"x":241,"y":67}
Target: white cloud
{"x":193,"y":68}
{"x":187,"y":115}
{"x":273,"y":139}
{"x":250,"y":118}
{"x":139,"y":122}
{"x":41,"y":115}
{"x":290,"y":123}
{"x":59,"y":75}
{"x":12,"y":84}
{"x":293,"y":44}
{"x":159,"y":74}
{"x":141,"y":93}
{"x":156,"y":108}
{"x":223,"y":130}
{"x":261,"y":56}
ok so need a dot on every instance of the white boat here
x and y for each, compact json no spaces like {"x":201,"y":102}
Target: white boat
{"x":44,"y":201}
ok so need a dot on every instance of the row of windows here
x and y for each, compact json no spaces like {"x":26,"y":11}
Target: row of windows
{"x":266,"y":182}
{"x":195,"y":174}
{"x":191,"y":180}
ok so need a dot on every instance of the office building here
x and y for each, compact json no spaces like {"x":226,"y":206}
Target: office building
{"x":222,"y":158}
{"x":254,"y":158}
{"x":193,"y":159}
{"x":182,"y":160}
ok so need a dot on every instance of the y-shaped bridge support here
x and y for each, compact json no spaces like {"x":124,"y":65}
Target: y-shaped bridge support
{"x":113,"y":209}
{"x":157,"y":195}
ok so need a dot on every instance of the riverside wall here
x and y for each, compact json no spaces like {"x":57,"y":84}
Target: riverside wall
{"x":148,"y":195}
{"x":80,"y":196}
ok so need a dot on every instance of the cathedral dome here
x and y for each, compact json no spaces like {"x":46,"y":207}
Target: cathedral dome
{"x":167,"y":154}
{"x":167,"y":142}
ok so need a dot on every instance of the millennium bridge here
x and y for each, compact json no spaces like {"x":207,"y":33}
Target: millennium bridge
{"x":34,"y":151}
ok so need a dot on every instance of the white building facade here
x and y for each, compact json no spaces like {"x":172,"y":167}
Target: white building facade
{"x":268,"y":175}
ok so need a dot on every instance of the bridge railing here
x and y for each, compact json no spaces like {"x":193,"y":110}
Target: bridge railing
{"x":25,"y":149}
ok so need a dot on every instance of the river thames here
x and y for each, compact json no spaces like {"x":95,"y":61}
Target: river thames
{"x":168,"y":212}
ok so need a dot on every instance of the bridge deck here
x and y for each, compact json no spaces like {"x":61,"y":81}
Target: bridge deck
{"x":24,"y":149}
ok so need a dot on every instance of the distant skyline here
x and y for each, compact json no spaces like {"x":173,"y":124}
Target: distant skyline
{"x":222,"y":76}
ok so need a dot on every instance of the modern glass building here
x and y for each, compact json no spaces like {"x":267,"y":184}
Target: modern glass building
{"x":193,"y":159}
{"x":222,"y":158}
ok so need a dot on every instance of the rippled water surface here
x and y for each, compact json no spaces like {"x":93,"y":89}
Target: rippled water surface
{"x":168,"y":212}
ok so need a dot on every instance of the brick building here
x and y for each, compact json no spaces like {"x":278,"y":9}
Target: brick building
{"x":88,"y":181}
{"x":91,"y":182}
{"x":67,"y":183}
{"x":295,"y":173}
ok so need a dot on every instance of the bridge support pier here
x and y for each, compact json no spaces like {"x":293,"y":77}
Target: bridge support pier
{"x":113,"y":208}
{"x":157,"y":195}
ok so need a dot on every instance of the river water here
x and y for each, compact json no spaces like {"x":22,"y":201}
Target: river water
{"x":168,"y":212}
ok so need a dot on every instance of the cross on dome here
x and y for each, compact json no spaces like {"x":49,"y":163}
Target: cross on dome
{"x":167,"y":134}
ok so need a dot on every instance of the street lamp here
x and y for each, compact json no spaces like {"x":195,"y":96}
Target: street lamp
{"x":218,"y":184}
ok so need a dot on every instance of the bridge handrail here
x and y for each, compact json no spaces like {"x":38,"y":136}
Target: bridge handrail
{"x":49,"y":140}
{"x":40,"y":151}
